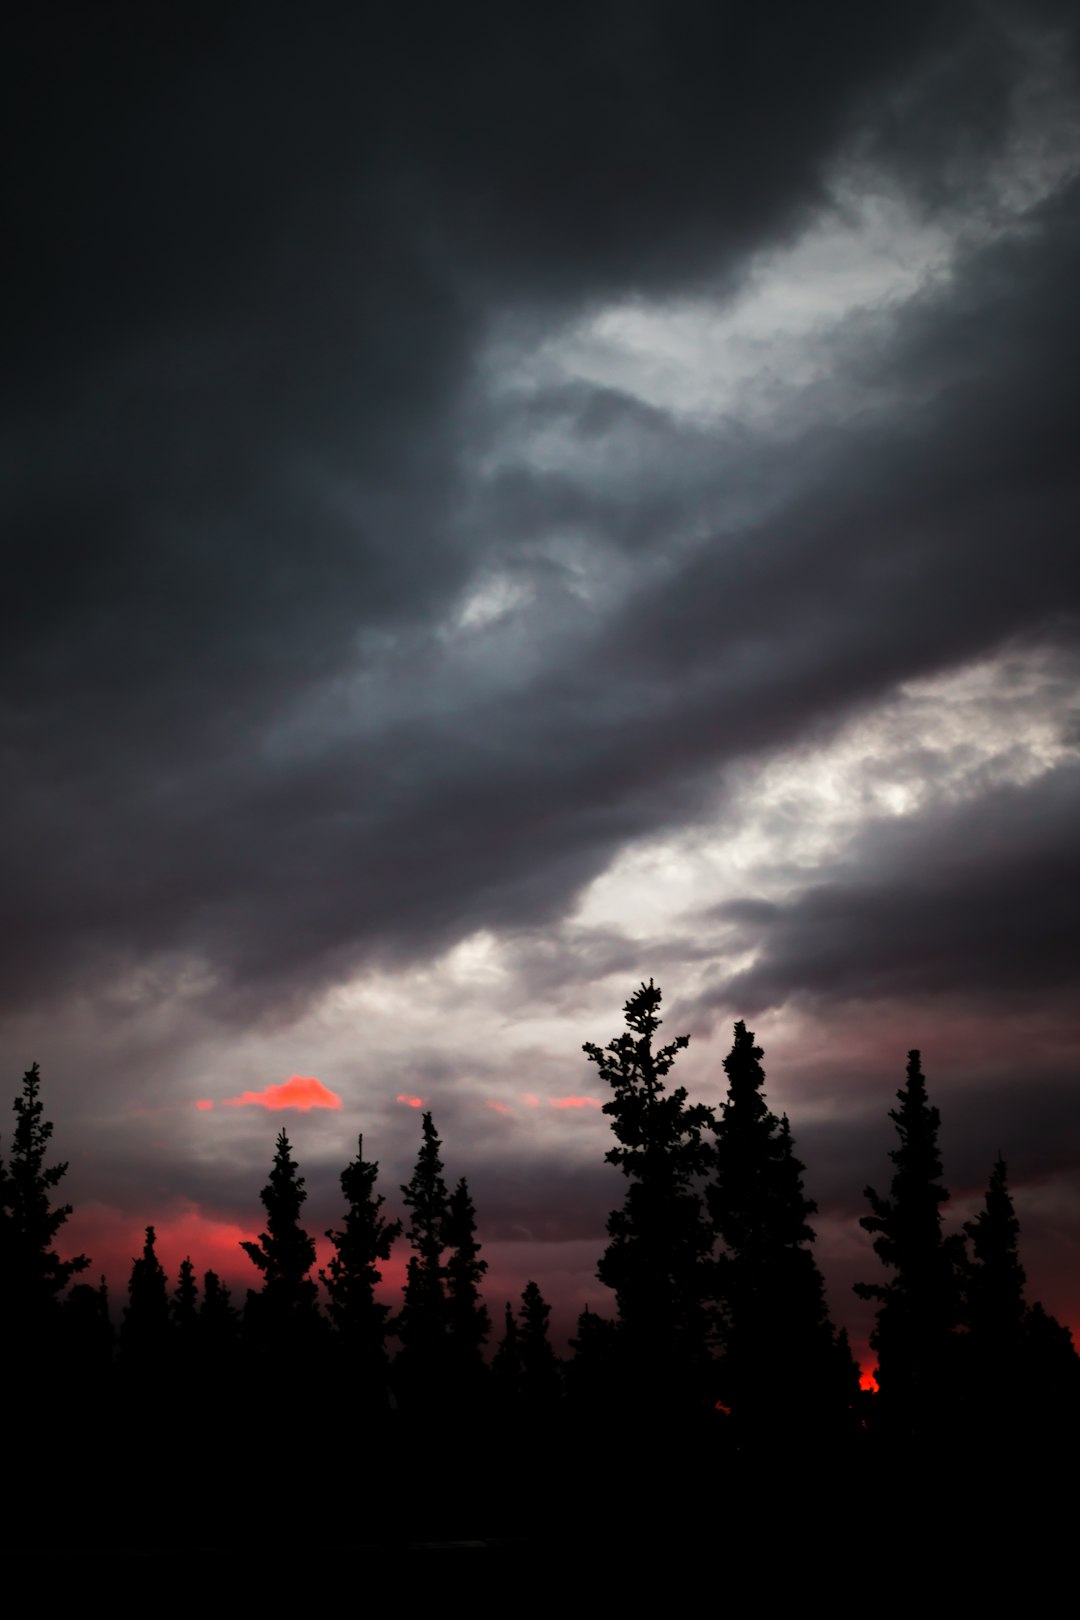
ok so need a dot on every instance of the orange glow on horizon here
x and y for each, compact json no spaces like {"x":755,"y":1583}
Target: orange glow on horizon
{"x":868,"y":1381}
{"x":299,"y":1091}
{"x":410,"y":1102}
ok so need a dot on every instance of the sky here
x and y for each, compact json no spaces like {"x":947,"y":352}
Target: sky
{"x":507,"y":502}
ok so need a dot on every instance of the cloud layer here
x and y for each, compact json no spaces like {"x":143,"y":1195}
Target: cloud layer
{"x":504,"y":506}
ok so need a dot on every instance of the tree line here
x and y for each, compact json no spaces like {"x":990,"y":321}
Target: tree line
{"x":721,"y":1344}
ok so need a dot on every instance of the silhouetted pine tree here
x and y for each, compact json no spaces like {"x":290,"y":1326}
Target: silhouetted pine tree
{"x":282,"y":1320}
{"x":423,"y":1323}
{"x":144,"y":1332}
{"x":1050,"y":1382}
{"x":994,"y":1304}
{"x":467,"y":1315}
{"x":218,"y":1318}
{"x":919,"y":1307}
{"x":506,"y":1366}
{"x":32,"y":1274}
{"x":88,"y":1333}
{"x":185,"y":1303}
{"x":1022,"y":1373}
{"x":783,"y":1372}
{"x":364,"y":1240}
{"x":657,"y":1260}
{"x":218,"y":1338}
{"x":541,"y":1379}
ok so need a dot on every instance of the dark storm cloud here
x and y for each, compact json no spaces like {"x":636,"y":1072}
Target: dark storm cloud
{"x":256,"y":267}
{"x":975,"y":899}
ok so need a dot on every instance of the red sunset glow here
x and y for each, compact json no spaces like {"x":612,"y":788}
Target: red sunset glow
{"x":205,"y":1103}
{"x":575,"y":1102}
{"x":114,"y":1239}
{"x":410,"y":1102}
{"x":299,"y":1091}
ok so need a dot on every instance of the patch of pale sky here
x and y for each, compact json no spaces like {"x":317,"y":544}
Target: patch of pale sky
{"x":935,"y":741}
{"x":491,"y":598}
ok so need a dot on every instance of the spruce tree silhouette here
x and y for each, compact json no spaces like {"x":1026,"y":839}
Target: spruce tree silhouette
{"x":467,"y":1316}
{"x":1022,"y":1373}
{"x":1051,"y":1385}
{"x":218,"y":1341}
{"x":994,"y":1314}
{"x":541,"y":1377}
{"x":282,"y":1321}
{"x":218,"y":1318}
{"x":32,"y":1274}
{"x":783,"y":1374}
{"x":184,"y":1305}
{"x":592,"y":1375}
{"x":506,"y":1366}
{"x":423,"y":1323}
{"x":88,"y":1333}
{"x":919,"y":1307}
{"x":352,"y":1276}
{"x":993,"y":1281}
{"x":657,"y":1260}
{"x":144,"y":1332}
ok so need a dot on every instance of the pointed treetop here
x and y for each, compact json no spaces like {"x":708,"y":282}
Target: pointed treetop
{"x":427,"y":1198}
{"x":31,"y":1220}
{"x":364,"y":1239}
{"x":908,"y":1222}
{"x":469,"y":1321}
{"x":146,"y":1315}
{"x":994,"y":1278}
{"x":647,"y":1121}
{"x":745,"y":1075}
{"x":185,"y":1300}
{"x":285,"y":1253}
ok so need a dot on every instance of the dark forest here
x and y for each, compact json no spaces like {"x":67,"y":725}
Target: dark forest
{"x":720,"y":1366}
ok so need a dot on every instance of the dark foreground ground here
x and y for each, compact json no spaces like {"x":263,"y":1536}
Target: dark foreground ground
{"x":180,"y":1519}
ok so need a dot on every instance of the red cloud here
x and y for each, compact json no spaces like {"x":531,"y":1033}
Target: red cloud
{"x":574,"y":1102}
{"x":500,"y":1107}
{"x":410,"y":1102}
{"x":299,"y":1091}
{"x":204,"y":1102}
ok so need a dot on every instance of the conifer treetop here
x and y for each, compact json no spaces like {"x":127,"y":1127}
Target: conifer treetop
{"x":284,"y":1253}
{"x":364,"y":1239}
{"x":25,"y":1188}
{"x":994,"y":1278}
{"x":647,"y":1121}
{"x":758,"y":1201}
{"x":426,"y":1196}
{"x":146,"y":1315}
{"x":907,"y":1224}
{"x":468,"y":1317}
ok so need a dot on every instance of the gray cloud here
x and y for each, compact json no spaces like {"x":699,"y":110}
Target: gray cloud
{"x":268,"y":448}
{"x":974,"y":898}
